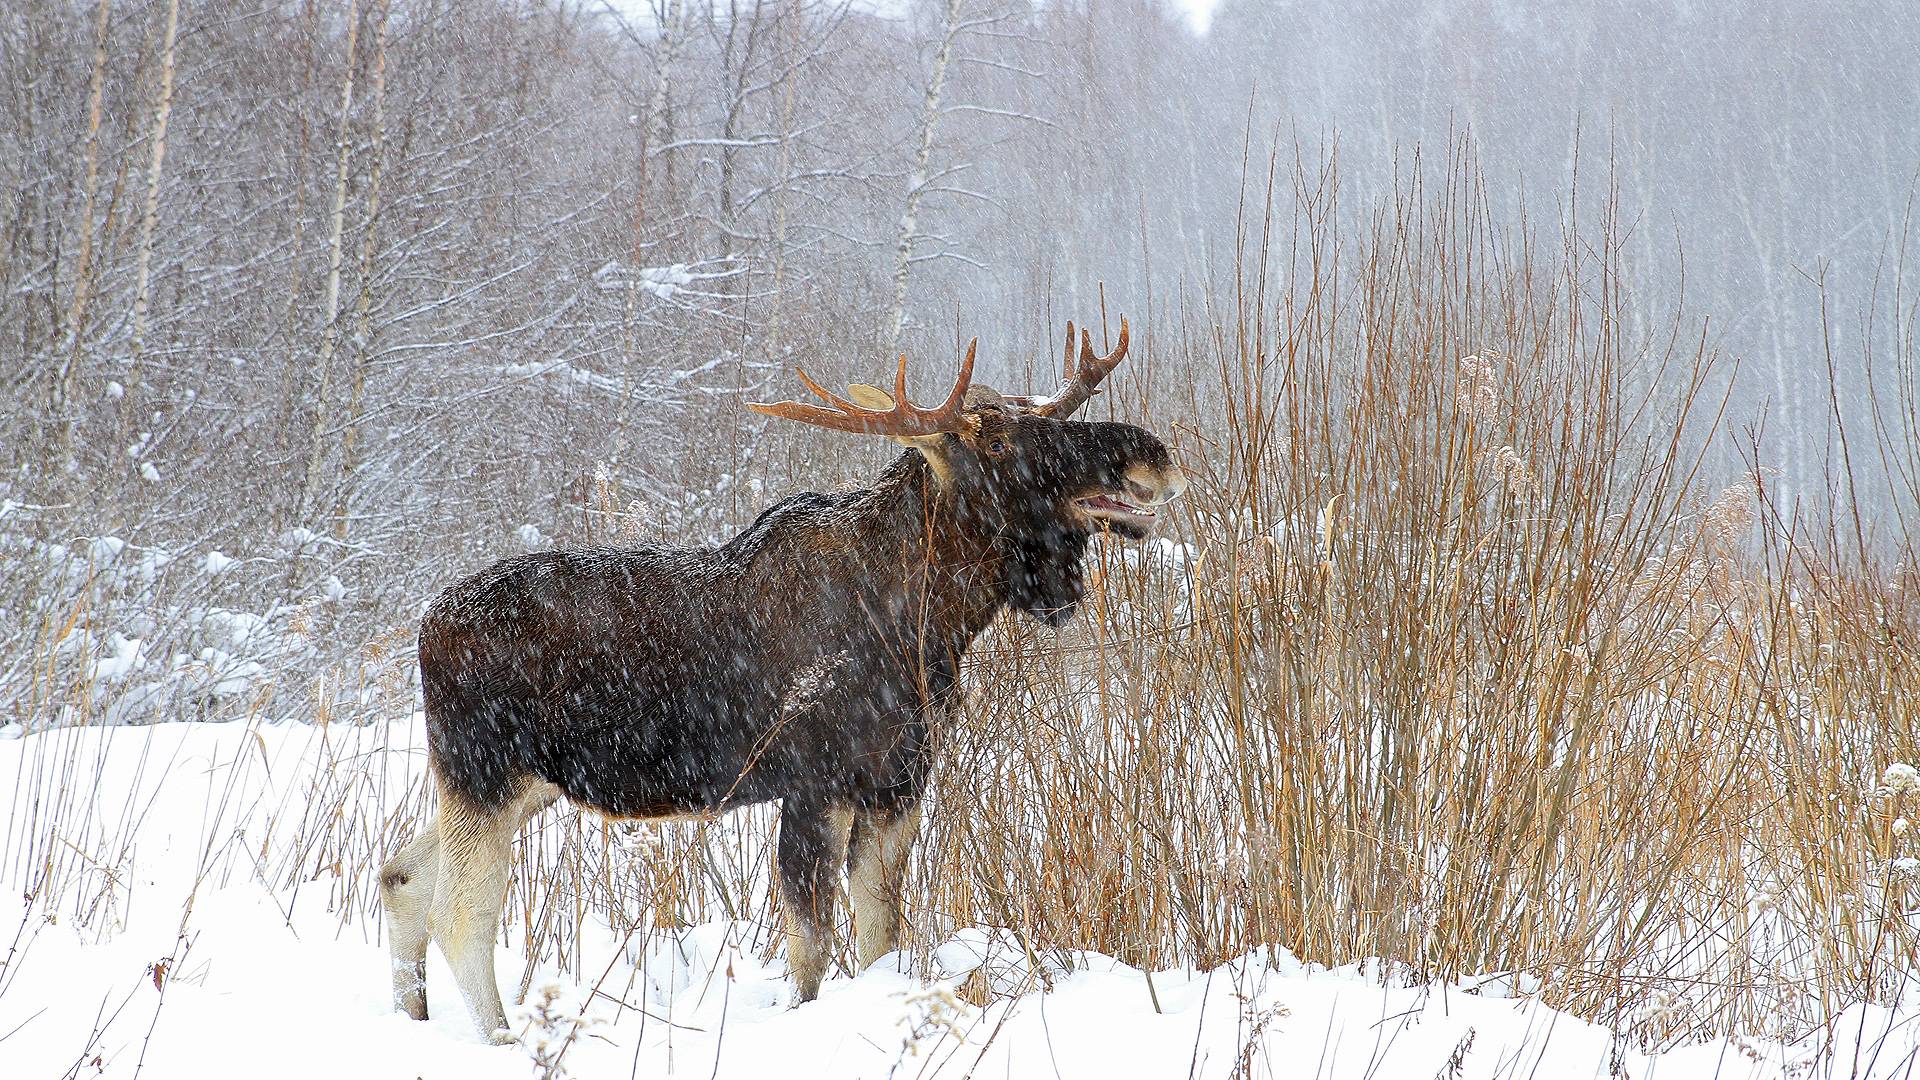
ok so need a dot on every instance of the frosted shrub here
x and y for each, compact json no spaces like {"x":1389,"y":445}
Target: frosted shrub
{"x":930,"y":1016}
{"x":1900,"y":780}
{"x":555,"y":1021}
{"x":1512,"y":470}
{"x":1478,"y":390}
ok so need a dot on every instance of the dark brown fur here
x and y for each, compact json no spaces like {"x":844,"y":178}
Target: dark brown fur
{"x":806,"y":660}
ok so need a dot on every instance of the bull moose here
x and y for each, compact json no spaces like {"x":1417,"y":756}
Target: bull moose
{"x":806,"y":660}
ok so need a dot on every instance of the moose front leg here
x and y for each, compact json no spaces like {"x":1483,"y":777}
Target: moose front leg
{"x":876,"y":873}
{"x":813,"y":843}
{"x":407,"y":883}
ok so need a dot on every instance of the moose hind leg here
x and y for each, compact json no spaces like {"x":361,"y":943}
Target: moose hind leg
{"x":812,"y":845}
{"x":476,"y":852}
{"x":876,"y":871}
{"x":406,"y":891}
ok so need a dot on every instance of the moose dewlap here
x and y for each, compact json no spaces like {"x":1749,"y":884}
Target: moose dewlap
{"x":806,"y":660}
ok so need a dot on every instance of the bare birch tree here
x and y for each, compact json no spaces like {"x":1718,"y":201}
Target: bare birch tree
{"x":919,"y":177}
{"x":157,"y":136}
{"x":363,"y":322}
{"x":336,"y":234}
{"x":71,"y":372}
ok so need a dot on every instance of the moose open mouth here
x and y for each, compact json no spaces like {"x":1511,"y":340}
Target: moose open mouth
{"x":1116,"y":510}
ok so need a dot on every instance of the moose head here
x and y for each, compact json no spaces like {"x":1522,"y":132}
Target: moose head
{"x":1020,"y":469}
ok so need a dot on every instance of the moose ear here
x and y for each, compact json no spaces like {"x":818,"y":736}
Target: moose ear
{"x":937,"y":449}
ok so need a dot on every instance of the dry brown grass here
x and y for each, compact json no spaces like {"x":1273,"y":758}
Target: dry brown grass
{"x":1468,"y":665}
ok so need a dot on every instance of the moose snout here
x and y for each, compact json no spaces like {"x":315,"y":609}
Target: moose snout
{"x":1148,"y":485}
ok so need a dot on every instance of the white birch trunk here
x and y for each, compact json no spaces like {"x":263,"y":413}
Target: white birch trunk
{"x":336,"y":229}
{"x":290,"y":404}
{"x":658,"y":132}
{"x":786,"y":169}
{"x":162,"y":109}
{"x":363,"y":317}
{"x":69,"y":378}
{"x":917,"y":179}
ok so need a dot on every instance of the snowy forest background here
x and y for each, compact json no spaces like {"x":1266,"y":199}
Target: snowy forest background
{"x":409,"y":277}
{"x":1543,"y":603}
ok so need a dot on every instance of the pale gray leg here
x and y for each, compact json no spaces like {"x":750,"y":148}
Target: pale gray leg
{"x":876,"y":874}
{"x":812,"y":846}
{"x":406,"y":892}
{"x":476,"y":851}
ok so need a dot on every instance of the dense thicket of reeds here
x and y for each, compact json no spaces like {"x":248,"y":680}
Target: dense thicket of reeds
{"x":1470,"y":661}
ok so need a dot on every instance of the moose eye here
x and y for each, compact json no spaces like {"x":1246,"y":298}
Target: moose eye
{"x":997,"y":447}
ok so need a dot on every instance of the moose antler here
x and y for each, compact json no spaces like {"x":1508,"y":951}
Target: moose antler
{"x":903,"y":420}
{"x":1084,"y":378}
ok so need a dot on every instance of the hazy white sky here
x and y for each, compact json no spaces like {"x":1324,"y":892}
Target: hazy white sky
{"x":1199,"y":12}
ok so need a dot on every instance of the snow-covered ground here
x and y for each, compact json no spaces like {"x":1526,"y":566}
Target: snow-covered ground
{"x":168,"y":940}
